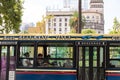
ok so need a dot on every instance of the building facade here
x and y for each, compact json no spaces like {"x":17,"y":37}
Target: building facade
{"x":38,"y":29}
{"x":97,"y":5}
{"x":59,"y":22}
{"x":95,"y":16}
{"x":94,"y":20}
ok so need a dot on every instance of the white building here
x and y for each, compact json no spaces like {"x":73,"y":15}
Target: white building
{"x":94,"y":20}
{"x":59,"y":22}
{"x":95,"y":16}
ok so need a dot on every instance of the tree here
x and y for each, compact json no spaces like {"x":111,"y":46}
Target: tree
{"x":74,"y":22}
{"x":11,"y":12}
{"x":116,"y":27}
{"x":88,"y":31}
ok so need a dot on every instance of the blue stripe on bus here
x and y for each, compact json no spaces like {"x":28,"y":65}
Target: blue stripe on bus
{"x":112,"y":77}
{"x":45,"y":77}
{"x":112,"y":74}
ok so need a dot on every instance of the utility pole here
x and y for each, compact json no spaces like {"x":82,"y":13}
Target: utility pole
{"x":79,"y":16}
{"x":79,"y":31}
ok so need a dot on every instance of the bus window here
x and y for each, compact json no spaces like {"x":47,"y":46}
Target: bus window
{"x":26,"y":56}
{"x":40,"y":50}
{"x":3,"y":62}
{"x":55,"y":55}
{"x":60,"y":52}
{"x":12,"y":58}
{"x":68,"y":64}
{"x":115,"y":56}
{"x":114,"y":52}
{"x":40,"y":56}
{"x":60,"y":56}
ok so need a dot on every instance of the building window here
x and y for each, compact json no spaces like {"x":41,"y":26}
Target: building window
{"x":65,"y":24}
{"x":60,"y":20}
{"x":60,"y":24}
{"x":54,"y":29}
{"x":65,"y":19}
{"x":98,"y":31}
{"x":54,"y":24}
{"x":65,"y":29}
{"x":87,"y":17}
{"x":60,"y":29}
{"x":54,"y":19}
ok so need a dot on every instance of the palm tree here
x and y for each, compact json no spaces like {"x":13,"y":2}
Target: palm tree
{"x":74,"y":22}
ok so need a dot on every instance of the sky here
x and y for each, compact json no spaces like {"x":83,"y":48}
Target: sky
{"x":34,"y":9}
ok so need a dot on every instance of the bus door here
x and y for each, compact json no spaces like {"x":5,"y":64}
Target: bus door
{"x":7,"y":62}
{"x":91,"y":60}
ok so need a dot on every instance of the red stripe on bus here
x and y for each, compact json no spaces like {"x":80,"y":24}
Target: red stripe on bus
{"x":73,"y":73}
{"x":113,"y":74}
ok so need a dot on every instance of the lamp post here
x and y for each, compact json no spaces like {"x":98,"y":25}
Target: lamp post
{"x":79,"y":16}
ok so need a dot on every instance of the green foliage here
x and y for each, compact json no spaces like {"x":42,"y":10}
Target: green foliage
{"x":74,"y":22}
{"x":88,"y":31}
{"x":113,"y":32}
{"x":116,"y":27}
{"x":11,"y":12}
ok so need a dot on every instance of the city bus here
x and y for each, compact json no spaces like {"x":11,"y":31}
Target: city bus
{"x":59,"y":57}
